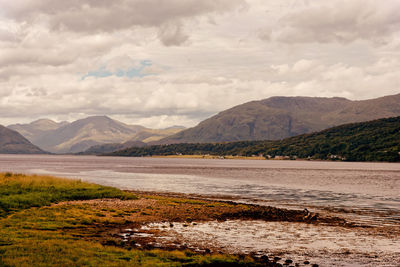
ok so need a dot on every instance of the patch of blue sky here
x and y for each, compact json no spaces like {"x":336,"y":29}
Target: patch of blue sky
{"x":132,"y":72}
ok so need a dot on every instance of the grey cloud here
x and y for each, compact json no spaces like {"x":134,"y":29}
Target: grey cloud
{"x":340,"y":21}
{"x":7,"y":36}
{"x":172,"y":34}
{"x":101,"y":15}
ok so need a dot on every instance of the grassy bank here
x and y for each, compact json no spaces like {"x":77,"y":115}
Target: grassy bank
{"x":19,"y":191}
{"x":34,"y":231}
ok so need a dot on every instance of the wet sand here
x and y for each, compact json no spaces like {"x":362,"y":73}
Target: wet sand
{"x":300,"y":242}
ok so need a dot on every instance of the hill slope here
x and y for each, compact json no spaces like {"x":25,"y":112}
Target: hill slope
{"x":377,"y":140}
{"x":152,"y":135}
{"x":11,"y":142}
{"x":108,"y":148}
{"x":280,"y":117}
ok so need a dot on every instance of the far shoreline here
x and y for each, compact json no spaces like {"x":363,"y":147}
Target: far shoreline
{"x":208,"y":157}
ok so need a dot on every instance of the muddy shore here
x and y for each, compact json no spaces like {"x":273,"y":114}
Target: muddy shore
{"x":173,"y":221}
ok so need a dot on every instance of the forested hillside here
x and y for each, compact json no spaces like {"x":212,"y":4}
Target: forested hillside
{"x":377,"y":140}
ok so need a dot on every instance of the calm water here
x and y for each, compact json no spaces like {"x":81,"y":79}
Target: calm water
{"x":368,"y":191}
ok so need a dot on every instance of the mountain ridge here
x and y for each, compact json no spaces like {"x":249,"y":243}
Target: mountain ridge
{"x":281,"y":117}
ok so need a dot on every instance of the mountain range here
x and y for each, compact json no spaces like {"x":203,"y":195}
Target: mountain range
{"x":12,"y":142}
{"x":77,"y":136}
{"x":273,"y":118}
{"x":280,"y":117}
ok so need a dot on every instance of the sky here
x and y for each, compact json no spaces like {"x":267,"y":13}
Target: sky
{"x":160,"y":63}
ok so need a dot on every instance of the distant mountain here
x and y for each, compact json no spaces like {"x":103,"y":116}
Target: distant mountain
{"x":11,"y":142}
{"x":140,"y":139}
{"x":82,"y":134}
{"x":280,"y":117}
{"x":377,"y":140}
{"x":37,"y":129}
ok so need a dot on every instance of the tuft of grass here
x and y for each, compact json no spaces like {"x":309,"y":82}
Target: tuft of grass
{"x":19,"y":191}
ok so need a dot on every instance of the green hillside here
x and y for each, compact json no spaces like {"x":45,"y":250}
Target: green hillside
{"x":377,"y":140}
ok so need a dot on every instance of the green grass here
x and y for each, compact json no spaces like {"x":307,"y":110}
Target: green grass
{"x":81,"y":253}
{"x":35,"y":233}
{"x":19,"y":191}
{"x":60,"y":236}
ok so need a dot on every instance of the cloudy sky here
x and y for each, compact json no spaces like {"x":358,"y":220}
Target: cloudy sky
{"x":175,"y":62}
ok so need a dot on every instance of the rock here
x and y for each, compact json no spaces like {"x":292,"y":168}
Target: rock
{"x":315,"y":265}
{"x":277,"y":258}
{"x":306,"y":262}
{"x":288,"y":261}
{"x":264,"y":258}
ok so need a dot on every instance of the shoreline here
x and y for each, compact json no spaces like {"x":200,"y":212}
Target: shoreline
{"x":217,"y":157}
{"x":208,"y":157}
